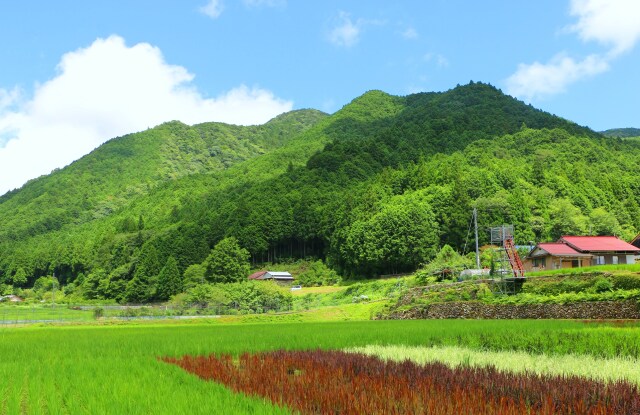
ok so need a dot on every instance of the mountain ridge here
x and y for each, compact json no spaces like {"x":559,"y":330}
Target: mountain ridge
{"x":621,"y":132}
{"x":128,"y":166}
{"x":358,"y":188}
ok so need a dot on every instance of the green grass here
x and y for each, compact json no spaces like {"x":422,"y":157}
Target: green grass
{"x":115,"y":369}
{"x":354,"y":292}
{"x":12,"y":313}
{"x":317,"y":290}
{"x":28,"y":313}
{"x":585,"y":270}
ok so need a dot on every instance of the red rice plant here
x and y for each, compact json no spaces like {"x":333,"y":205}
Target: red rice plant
{"x":334,"y":382}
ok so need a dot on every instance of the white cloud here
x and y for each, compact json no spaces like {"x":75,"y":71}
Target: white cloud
{"x":347,"y":32}
{"x":539,"y":80}
{"x":212,"y":9}
{"x":410,"y":33}
{"x":439,"y":59}
{"x":8,"y":98}
{"x":614,"y":23}
{"x":264,"y":3}
{"x":107,"y":90}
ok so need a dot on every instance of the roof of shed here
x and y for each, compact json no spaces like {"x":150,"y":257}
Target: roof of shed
{"x":257,"y":275}
{"x":279,"y":273}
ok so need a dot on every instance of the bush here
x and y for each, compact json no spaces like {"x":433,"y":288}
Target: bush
{"x":318,"y":274}
{"x":558,"y":285}
{"x":626,"y":281}
{"x":601,"y":285}
{"x":246,"y":296}
{"x":98,"y":313}
{"x":447,"y":263}
{"x":206,"y":294}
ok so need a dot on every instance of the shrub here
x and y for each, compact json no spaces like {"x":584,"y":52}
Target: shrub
{"x":626,"y":281}
{"x":206,"y":294}
{"x":246,"y":296}
{"x":601,"y":285}
{"x":318,"y":274}
{"x":98,"y":313}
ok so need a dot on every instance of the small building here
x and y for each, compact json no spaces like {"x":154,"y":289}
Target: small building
{"x":580,"y":251}
{"x":554,"y":255}
{"x":278,"y":276}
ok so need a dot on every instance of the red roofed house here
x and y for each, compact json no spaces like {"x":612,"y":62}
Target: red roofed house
{"x":581,"y":251}
{"x":636,"y":241}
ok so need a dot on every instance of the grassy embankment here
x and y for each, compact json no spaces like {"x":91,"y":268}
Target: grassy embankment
{"x":602,"y":283}
{"x":600,"y":269}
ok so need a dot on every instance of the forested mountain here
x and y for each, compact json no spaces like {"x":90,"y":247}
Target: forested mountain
{"x":622,"y":132}
{"x":375,"y":188}
{"x":128,"y":167}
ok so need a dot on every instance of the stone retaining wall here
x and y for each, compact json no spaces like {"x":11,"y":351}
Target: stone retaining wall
{"x":477,"y":310}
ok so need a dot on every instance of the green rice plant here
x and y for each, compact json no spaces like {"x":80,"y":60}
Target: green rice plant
{"x":114,"y":369}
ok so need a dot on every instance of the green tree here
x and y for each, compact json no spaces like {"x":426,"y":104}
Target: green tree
{"x":20,"y":277}
{"x":603,"y":223}
{"x":400,"y":237}
{"x":227,"y":262}
{"x":169,"y":280}
{"x":137,"y":290}
{"x":45,"y":284}
{"x":90,"y":285}
{"x":208,"y":294}
{"x":446,"y":263}
{"x":566,"y":219}
{"x":194,"y":275}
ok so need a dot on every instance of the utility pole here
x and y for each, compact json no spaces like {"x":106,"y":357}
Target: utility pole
{"x":53,"y":290}
{"x":475,"y":223}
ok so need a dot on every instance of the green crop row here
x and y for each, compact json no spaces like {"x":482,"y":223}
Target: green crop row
{"x":116,"y":369}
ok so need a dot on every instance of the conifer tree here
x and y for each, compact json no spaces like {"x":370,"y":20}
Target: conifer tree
{"x":169,"y":280}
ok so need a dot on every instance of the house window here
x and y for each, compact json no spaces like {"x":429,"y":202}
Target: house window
{"x":539,"y":262}
{"x":614,"y":260}
{"x":575,"y":263}
{"x":600,"y":260}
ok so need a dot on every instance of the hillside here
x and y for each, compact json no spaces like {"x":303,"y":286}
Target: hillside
{"x":375,"y":188}
{"x":622,"y":132}
{"x":129,"y":167}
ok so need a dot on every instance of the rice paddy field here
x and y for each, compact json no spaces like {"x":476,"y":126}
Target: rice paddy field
{"x":135,"y":369}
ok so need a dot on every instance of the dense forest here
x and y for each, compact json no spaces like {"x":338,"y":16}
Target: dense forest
{"x":376,"y":188}
{"x":622,"y":132}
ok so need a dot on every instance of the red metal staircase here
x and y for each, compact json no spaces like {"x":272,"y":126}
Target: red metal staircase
{"x":514,"y":258}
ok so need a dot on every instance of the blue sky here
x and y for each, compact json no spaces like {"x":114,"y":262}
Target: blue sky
{"x":75,"y":74}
